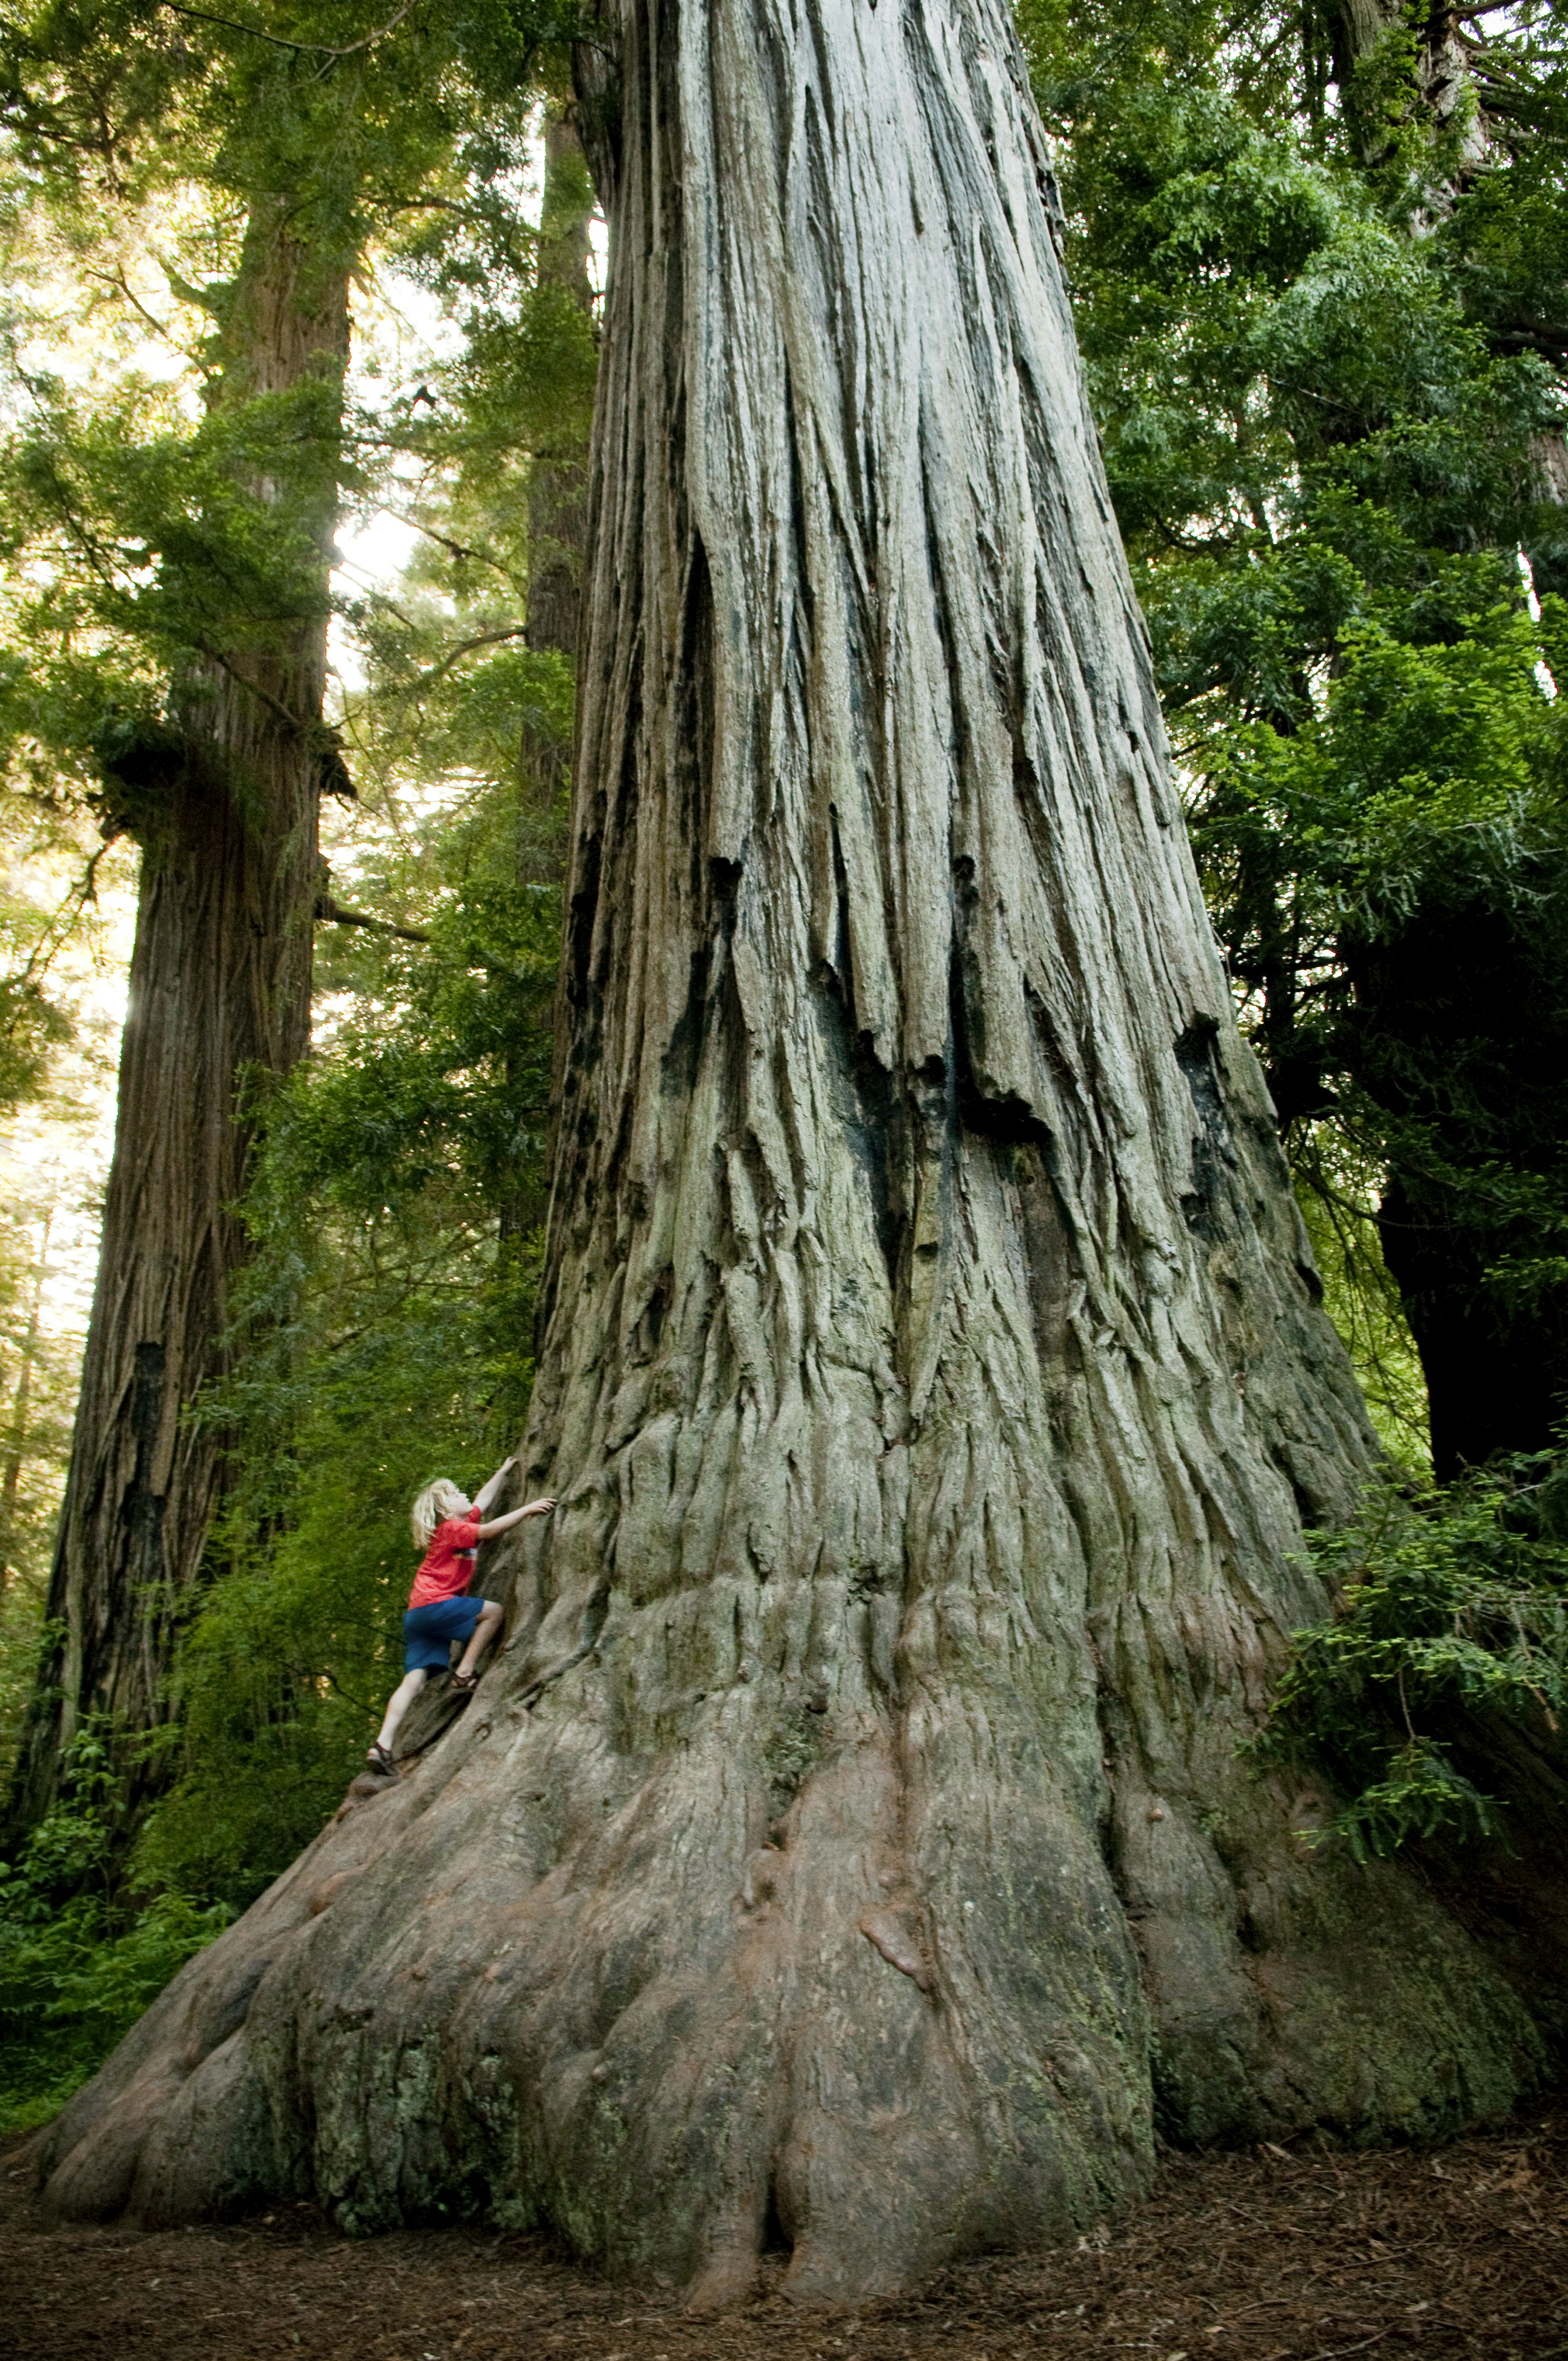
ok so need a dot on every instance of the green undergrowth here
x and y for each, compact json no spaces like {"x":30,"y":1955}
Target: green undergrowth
{"x":81,"y":1956}
{"x":1451,"y":1619}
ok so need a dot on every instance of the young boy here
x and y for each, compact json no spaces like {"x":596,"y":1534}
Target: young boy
{"x":447,"y":1528}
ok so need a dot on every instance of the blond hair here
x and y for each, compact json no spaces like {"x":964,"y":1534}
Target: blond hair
{"x":435,"y":1504}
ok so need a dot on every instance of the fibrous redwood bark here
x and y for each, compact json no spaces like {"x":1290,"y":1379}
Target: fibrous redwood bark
{"x":557,"y":484}
{"x":224,"y":806}
{"x":850,"y":1846}
{"x":1436,"y":69}
{"x":557,"y":563}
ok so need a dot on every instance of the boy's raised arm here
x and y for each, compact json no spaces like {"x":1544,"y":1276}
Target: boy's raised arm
{"x":487,"y":1492}
{"x":513,"y":1517}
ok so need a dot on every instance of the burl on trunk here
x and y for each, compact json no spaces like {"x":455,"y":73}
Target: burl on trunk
{"x":849,"y":1847}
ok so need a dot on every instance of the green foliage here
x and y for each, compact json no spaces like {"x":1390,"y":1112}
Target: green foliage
{"x":1424,"y":767}
{"x":43,"y":921}
{"x":387,"y":1318}
{"x":153,"y":543}
{"x":1451,"y":1602}
{"x":163,"y":506}
{"x":1337,"y":1188}
{"x":31,"y":1025}
{"x":1326,"y":411}
{"x":77,"y":1961}
{"x":388,"y":1339}
{"x":161,"y":510}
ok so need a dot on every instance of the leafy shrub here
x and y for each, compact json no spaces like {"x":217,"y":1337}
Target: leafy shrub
{"x":78,"y":1964}
{"x":387,"y":1321}
{"x":1452,"y":1604}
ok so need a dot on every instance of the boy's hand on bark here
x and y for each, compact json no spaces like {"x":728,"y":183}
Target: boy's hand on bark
{"x":538,"y":1507}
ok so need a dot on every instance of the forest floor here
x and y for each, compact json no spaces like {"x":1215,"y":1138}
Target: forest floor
{"x":1303,"y":2254}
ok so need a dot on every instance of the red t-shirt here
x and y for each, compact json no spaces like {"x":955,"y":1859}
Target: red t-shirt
{"x":447,"y":1567}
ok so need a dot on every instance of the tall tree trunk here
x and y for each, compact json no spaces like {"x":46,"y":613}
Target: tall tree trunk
{"x":220,"y":984}
{"x":557,"y":562}
{"x":1440,"y":83}
{"x":558,"y":484}
{"x":850,"y":1845}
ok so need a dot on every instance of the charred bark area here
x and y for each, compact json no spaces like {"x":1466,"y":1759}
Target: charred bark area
{"x":223,"y":803}
{"x":850,"y":1844}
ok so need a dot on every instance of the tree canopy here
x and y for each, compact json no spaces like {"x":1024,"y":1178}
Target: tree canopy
{"x":1324,"y":333}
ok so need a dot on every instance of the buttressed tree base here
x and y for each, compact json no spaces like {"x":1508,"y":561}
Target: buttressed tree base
{"x":850,"y":1846}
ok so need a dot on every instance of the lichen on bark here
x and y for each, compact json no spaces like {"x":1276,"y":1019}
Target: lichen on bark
{"x":850,"y":1845}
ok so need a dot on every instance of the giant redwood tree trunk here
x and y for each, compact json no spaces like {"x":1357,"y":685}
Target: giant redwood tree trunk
{"x":850,"y":1846}
{"x":224,"y":808}
{"x":557,"y":484}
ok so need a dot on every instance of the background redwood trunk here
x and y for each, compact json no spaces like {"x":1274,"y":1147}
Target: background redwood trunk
{"x":557,"y":561}
{"x":850,"y":1846}
{"x":1441,"y":79}
{"x":220,"y":982}
{"x":558,"y":487}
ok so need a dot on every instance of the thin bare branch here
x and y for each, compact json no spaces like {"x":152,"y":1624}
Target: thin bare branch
{"x":302,"y":49}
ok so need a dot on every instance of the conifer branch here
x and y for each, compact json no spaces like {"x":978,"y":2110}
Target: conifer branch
{"x":334,"y":914}
{"x":466,"y":647}
{"x":302,"y":48}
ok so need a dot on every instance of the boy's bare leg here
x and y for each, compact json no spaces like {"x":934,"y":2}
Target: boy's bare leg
{"x":398,"y":1704}
{"x":484,"y":1630}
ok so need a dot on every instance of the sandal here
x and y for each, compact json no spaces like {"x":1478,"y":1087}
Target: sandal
{"x":465,"y":1682}
{"x":380,"y":1760}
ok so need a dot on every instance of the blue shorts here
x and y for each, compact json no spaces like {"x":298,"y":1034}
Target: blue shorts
{"x":429,"y":1631}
